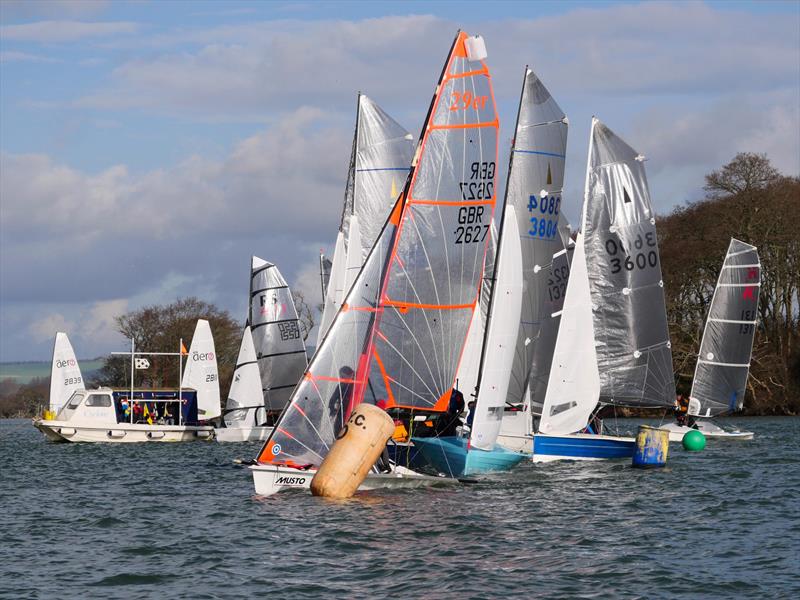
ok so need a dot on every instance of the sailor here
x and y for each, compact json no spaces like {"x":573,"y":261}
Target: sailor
{"x":340,"y":399}
{"x":471,"y":415}
{"x":448,"y":423}
{"x":681,"y":409}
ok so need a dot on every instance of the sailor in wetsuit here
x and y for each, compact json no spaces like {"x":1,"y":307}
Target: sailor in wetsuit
{"x":681,"y":409}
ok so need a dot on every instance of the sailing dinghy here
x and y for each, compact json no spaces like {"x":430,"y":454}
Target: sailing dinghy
{"x":138,"y":415}
{"x":379,"y":163}
{"x":398,"y":336}
{"x":272,"y":358}
{"x":613,"y":344}
{"x":65,"y":376}
{"x":720,"y":377}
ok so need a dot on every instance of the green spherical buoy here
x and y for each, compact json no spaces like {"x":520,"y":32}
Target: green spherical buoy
{"x":694,"y":441}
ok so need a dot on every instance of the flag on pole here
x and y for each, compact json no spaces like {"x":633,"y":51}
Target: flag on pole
{"x":141,"y":363}
{"x":183,"y":349}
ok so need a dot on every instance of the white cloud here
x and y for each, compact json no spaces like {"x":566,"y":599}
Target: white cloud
{"x":12,"y":56}
{"x":44,"y":328}
{"x":65,"y":31}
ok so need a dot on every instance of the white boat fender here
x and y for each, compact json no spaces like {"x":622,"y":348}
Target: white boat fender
{"x":155,"y":435}
{"x":116,"y":433}
{"x":359,"y":444}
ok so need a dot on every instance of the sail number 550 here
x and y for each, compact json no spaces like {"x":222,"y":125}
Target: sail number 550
{"x":465,"y":100}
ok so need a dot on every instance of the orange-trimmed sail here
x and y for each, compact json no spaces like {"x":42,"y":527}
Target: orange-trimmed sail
{"x":412,"y":303}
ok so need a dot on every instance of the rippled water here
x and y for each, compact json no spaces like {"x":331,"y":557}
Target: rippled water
{"x":177,"y":520}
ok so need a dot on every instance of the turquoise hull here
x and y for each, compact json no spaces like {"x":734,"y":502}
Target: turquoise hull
{"x":450,"y":455}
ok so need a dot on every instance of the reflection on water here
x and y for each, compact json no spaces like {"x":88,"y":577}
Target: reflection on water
{"x":178,"y":520}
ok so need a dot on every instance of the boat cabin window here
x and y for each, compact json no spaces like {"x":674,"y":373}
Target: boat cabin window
{"x":103,"y":400}
{"x":75,"y":400}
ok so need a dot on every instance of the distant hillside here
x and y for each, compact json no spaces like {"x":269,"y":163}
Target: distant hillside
{"x":23,"y":372}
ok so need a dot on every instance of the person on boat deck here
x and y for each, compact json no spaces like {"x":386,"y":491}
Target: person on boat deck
{"x":448,"y":423}
{"x":681,"y":410}
{"x":168,"y":419}
{"x":340,"y":399}
{"x":471,"y":415}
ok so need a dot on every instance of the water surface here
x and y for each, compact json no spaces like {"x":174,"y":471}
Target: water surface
{"x":179,"y":521}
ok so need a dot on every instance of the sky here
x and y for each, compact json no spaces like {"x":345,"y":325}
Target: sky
{"x":148,"y":149}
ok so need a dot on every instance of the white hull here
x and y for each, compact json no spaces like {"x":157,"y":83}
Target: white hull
{"x":242,"y":434}
{"x":68,"y":431}
{"x":516,"y":443}
{"x":710,"y":430}
{"x":271,"y":479}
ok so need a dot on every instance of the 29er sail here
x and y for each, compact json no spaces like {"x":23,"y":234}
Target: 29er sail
{"x":401,"y":330}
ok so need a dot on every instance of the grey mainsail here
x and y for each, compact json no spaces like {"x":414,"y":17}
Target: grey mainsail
{"x":379,"y":163}
{"x":534,"y":189}
{"x":277,"y":336}
{"x":720,"y":377}
{"x":627,"y":291}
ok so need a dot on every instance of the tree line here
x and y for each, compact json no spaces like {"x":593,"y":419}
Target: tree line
{"x":747,"y":199}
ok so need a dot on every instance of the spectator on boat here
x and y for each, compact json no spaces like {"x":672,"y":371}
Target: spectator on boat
{"x":168,"y":418}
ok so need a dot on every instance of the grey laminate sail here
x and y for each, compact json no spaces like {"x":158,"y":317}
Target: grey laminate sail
{"x":724,"y":361}
{"x":276,"y":332}
{"x":629,"y":312}
{"x":534,"y":189}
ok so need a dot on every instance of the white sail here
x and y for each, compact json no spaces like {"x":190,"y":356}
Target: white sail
{"x":574,"y":384}
{"x":65,"y":373}
{"x":468,"y":368}
{"x":720,"y":377}
{"x":245,"y":404}
{"x":277,"y":335}
{"x":501,"y":336}
{"x":201,"y":372}
{"x":335,"y":289}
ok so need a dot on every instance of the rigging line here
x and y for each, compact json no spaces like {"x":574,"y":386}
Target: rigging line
{"x":543,"y":123}
{"x":382,"y":169}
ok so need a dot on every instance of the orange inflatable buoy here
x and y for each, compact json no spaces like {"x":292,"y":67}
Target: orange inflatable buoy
{"x":359,"y":444}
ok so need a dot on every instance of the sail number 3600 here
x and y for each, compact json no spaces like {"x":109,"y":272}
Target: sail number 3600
{"x":633,"y":260}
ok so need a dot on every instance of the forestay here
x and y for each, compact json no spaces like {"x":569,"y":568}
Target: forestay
{"x":245,"y":404}
{"x":277,"y":335}
{"x":65,"y":373}
{"x":724,"y":361}
{"x":630,"y":319}
{"x":400,"y":332}
{"x":535,"y":181}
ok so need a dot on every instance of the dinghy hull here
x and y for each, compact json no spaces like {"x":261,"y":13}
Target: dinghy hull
{"x":242,"y":434}
{"x":271,"y":479}
{"x":710,"y":430}
{"x":452,"y":456}
{"x":581,"y":446}
{"x":68,"y":431}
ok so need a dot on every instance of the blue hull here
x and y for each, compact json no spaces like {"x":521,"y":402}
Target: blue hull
{"x":581,"y":447}
{"x":450,"y":455}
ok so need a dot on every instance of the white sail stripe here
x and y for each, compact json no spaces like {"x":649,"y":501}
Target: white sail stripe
{"x":739,"y":284}
{"x":559,"y":253}
{"x":722,"y":364}
{"x":730,"y":254}
{"x":732,"y":321}
{"x":757,"y":265}
{"x":556,"y":314}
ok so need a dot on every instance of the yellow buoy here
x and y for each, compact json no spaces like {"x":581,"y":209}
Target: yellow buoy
{"x":359,"y":444}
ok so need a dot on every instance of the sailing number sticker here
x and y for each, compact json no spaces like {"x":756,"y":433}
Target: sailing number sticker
{"x":481,"y":182}
{"x":557,"y":282}
{"x":289,"y":331}
{"x":471,"y":230}
{"x":544,"y":216}
{"x":643,"y":257}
